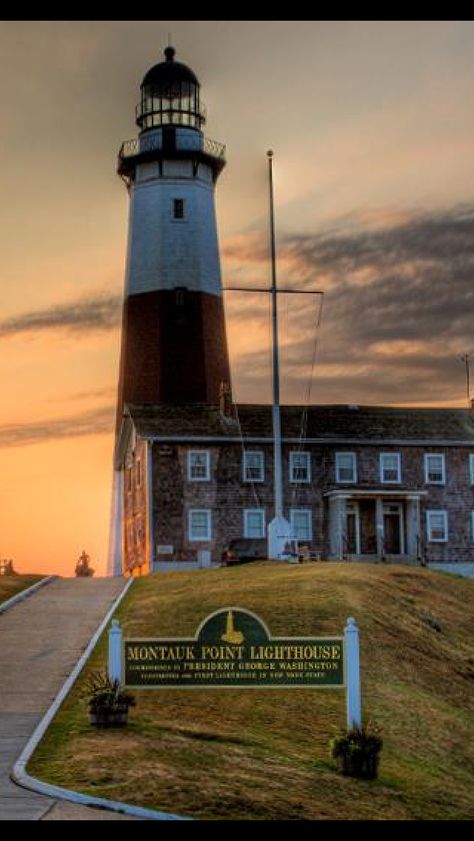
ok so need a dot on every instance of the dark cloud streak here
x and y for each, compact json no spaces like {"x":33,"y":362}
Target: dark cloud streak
{"x":97,"y":313}
{"x":94,"y":422}
{"x":410,"y":283}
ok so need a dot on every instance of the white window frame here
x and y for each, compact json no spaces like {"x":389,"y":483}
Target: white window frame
{"x":208,"y":535}
{"x":309,"y":514}
{"x":382,"y":468}
{"x":471,"y":468}
{"x":247,"y":513}
{"x":293,"y":467}
{"x":352,"y":481}
{"x":429,"y":481}
{"x":205,"y":478}
{"x":429,"y":528}
{"x":262,"y":465}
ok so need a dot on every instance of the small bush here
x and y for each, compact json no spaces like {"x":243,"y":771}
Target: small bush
{"x":357,"y":751}
{"x":103,"y":694}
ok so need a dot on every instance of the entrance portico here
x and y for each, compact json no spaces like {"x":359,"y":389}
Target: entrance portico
{"x":377,"y":523}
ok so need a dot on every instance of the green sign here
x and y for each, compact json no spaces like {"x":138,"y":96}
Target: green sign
{"x":233,"y":648}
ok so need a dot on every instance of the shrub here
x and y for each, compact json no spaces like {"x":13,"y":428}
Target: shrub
{"x":357,"y":750}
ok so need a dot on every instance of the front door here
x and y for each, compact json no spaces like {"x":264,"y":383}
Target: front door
{"x":392,"y":527}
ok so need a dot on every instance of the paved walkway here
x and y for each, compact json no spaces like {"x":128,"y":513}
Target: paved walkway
{"x":41,"y":640}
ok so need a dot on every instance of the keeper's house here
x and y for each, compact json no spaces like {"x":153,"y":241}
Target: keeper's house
{"x":368,"y":482}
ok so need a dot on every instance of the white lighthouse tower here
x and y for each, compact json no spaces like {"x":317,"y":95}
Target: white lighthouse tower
{"x":174,"y":347}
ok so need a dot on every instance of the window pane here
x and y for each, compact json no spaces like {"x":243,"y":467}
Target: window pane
{"x":253,"y":461}
{"x":178,"y":208}
{"x":435,"y":465}
{"x":198,"y":465}
{"x":437,"y":525}
{"x":390,"y":467}
{"x":345,"y":467}
{"x":299,"y":467}
{"x":254,"y":524}
{"x":301,"y":523}
{"x":199,"y":524}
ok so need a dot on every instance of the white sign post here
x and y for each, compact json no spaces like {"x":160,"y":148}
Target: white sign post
{"x":351,"y":645}
{"x":115,"y":652}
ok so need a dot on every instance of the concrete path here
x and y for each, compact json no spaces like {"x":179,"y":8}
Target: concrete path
{"x":41,"y":640}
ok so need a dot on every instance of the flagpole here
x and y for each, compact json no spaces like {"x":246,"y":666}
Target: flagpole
{"x":277,"y":460}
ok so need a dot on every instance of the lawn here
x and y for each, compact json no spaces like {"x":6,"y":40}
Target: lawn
{"x":263,"y":754}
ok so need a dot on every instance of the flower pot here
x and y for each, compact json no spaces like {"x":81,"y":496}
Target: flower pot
{"x":109,"y":718}
{"x":359,"y":764}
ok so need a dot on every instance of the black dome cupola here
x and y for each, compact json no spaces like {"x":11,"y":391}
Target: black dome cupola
{"x":170,"y":96}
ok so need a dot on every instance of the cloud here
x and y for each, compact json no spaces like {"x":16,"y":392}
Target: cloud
{"x":398,"y":308}
{"x":101,"y":312}
{"x":94,"y":422}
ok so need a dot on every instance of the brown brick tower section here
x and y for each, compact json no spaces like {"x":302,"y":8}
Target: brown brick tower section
{"x":174,"y":348}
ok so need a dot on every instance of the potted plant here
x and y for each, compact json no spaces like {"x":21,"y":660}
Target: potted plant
{"x":108,"y":703}
{"x":357,"y":751}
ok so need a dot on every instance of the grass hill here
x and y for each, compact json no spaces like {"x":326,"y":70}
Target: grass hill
{"x":264,"y":753}
{"x":10,"y":585}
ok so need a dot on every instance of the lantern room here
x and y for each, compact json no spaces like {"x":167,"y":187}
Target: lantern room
{"x":170,"y":96}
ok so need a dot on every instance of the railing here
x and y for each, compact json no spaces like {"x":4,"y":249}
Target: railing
{"x":212,"y":147}
{"x":129,"y":148}
{"x":133,"y":147}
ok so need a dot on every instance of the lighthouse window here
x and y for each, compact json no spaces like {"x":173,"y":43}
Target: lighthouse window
{"x":178,"y":208}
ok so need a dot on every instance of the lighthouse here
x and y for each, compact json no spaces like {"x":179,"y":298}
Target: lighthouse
{"x":174,"y":347}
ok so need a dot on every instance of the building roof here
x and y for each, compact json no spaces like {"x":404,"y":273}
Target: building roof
{"x":325,"y":423}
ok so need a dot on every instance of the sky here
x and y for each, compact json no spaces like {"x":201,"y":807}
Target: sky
{"x":372,"y":127}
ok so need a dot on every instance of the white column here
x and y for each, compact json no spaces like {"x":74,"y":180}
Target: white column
{"x":337,"y":526}
{"x":115,"y":652}
{"x":379,"y":529}
{"x":351,"y":651}
{"x":413,"y":525}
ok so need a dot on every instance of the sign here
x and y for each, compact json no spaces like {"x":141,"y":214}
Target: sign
{"x":233,"y":648}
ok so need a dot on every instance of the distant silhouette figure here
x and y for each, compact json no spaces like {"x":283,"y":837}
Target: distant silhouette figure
{"x":83,"y":570}
{"x":6,"y":567}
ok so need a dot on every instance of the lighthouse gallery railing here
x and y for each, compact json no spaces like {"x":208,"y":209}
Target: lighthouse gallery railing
{"x":133,"y":147}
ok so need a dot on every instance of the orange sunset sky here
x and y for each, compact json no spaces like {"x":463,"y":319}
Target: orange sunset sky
{"x":373,"y":130}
